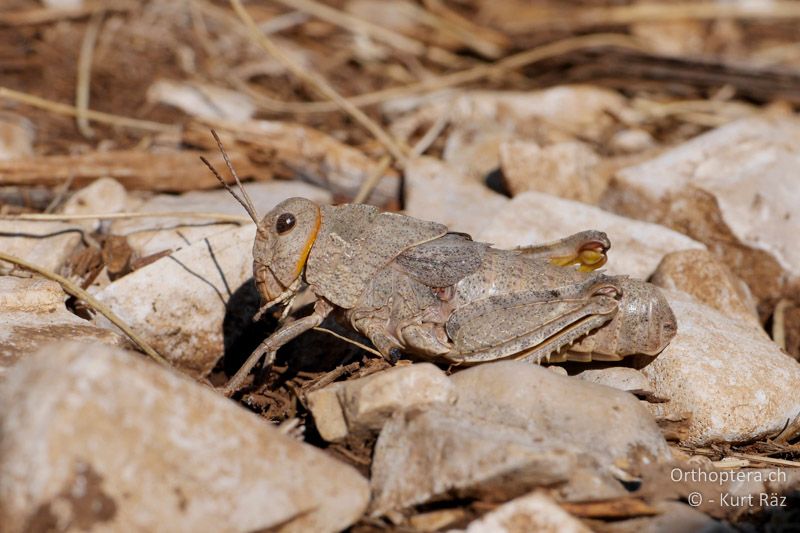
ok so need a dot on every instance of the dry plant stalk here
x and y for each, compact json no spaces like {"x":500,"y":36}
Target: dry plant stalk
{"x":77,"y":292}
{"x":85,"y":73}
{"x":483,"y":40}
{"x":320,"y":85}
{"x":355,"y":24}
{"x":97,"y":116}
{"x":345,"y":339}
{"x":372,"y":180}
{"x":305,"y":151}
{"x":462,"y":77}
{"x":662,"y":12}
{"x":218,"y":217}
{"x":155,"y":171}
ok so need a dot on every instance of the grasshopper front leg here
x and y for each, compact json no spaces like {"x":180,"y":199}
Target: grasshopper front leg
{"x":271,"y":344}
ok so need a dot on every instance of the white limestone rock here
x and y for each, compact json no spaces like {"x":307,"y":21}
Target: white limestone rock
{"x":708,"y":280}
{"x":727,"y":373}
{"x":45,"y":244}
{"x":436,"y":453}
{"x":202,"y":100}
{"x":98,"y":438}
{"x":735,"y":189}
{"x":363,"y":405}
{"x":178,"y":303}
{"x":604,"y":423}
{"x":435,"y":191}
{"x":32,"y":314}
{"x":567,"y":170}
{"x":533,"y":217}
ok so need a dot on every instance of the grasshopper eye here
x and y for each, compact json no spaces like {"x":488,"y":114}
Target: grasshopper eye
{"x":284,"y":223}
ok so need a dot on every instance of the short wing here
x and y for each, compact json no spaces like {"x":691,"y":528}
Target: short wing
{"x":354,"y":242}
{"x":443,"y":262}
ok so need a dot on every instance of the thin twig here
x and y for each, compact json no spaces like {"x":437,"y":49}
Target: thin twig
{"x":431,"y":135}
{"x":340,"y":448}
{"x":461,"y":77}
{"x":351,"y":341}
{"x":372,"y":180}
{"x":329,"y":377}
{"x":486,"y":41}
{"x":85,"y":73}
{"x":318,"y":83}
{"x":60,"y":194}
{"x":444,"y":26}
{"x":380,"y":33}
{"x":767,"y":460}
{"x":77,"y":292}
{"x":97,"y":116}
{"x":661,"y":12}
{"x":220,"y":217}
{"x":711,"y":113}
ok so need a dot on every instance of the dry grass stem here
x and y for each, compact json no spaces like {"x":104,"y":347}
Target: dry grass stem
{"x":351,"y":341}
{"x":77,"y":292}
{"x":486,"y":41}
{"x":461,"y":77}
{"x":707,"y":113}
{"x":379,"y":33}
{"x":767,"y":460}
{"x":218,"y":217}
{"x":662,"y":12}
{"x":319,"y":84}
{"x":85,"y":73}
{"x":431,"y":135}
{"x":61,"y":195}
{"x":97,"y":116}
{"x":372,"y":180}
{"x":166,"y":171}
{"x":471,"y":37}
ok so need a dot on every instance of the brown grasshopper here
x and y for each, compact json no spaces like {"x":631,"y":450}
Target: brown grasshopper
{"x":414,"y":287}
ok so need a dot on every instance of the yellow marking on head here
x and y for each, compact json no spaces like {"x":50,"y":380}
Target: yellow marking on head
{"x":301,"y":262}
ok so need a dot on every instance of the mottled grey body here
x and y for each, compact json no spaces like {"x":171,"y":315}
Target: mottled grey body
{"x":411,"y":286}
{"x":465,"y":302}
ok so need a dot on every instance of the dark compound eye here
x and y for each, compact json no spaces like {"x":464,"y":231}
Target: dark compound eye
{"x":285,"y":222}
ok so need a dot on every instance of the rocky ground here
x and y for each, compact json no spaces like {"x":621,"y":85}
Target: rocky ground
{"x":671,"y":128}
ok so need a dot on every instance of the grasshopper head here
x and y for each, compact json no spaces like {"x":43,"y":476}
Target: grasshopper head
{"x":283,"y":241}
{"x":283,"y":238}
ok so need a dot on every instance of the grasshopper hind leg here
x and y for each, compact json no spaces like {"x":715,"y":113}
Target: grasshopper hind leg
{"x":375,"y":330}
{"x":587,"y":250}
{"x":525,"y":326}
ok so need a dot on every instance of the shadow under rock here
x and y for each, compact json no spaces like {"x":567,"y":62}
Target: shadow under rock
{"x":313,"y":351}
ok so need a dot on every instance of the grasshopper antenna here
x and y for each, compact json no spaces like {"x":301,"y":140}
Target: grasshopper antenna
{"x":245,"y":200}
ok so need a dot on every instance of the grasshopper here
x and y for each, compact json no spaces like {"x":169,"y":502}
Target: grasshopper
{"x":413,"y":287}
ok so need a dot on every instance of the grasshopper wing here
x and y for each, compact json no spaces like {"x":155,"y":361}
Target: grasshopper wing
{"x":354,"y":242}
